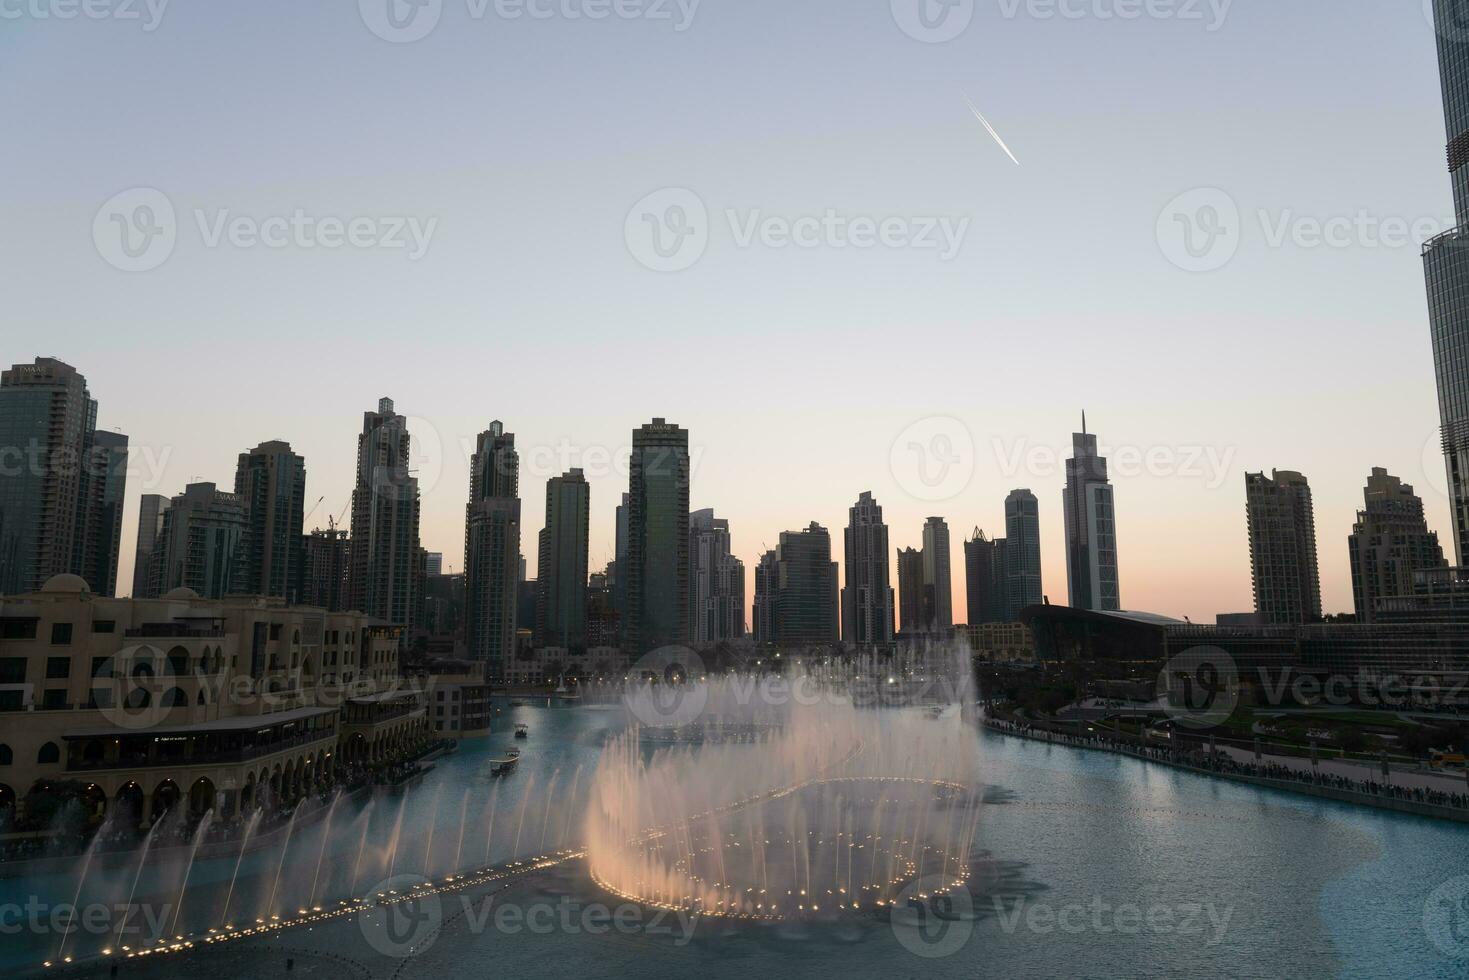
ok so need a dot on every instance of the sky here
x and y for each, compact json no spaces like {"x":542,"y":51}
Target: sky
{"x":779,"y":224}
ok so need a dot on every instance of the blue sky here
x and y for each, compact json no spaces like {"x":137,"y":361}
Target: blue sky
{"x":527,"y":142}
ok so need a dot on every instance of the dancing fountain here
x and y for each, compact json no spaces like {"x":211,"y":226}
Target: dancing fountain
{"x":813,"y":793}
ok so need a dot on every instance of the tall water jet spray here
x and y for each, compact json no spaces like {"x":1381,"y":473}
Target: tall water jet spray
{"x":824,"y":760}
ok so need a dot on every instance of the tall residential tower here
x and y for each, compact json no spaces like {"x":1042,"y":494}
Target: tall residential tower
{"x":1283,"y":567}
{"x":867,"y":600}
{"x":1091,"y":528}
{"x":492,"y":551}
{"x":658,"y":538}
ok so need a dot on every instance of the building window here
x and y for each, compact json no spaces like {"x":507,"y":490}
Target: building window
{"x":12,"y":670}
{"x":48,"y":755}
{"x":15,"y":628}
{"x":54,"y":698}
{"x":60,"y":634}
{"x":10,"y":701}
{"x":58,"y":668}
{"x":104,"y":626}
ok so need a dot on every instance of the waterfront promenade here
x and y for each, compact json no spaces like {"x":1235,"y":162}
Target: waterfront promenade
{"x":1291,"y":775}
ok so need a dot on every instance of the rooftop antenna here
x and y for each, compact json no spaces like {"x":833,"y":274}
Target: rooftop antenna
{"x":1083,"y":421}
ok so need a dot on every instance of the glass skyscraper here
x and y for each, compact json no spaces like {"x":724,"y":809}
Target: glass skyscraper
{"x":561,"y":571}
{"x":1446,"y":267}
{"x":1022,"y":552}
{"x":658,"y":538}
{"x":1091,"y":528}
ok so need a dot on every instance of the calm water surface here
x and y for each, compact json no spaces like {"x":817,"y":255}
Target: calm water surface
{"x":1092,"y":865}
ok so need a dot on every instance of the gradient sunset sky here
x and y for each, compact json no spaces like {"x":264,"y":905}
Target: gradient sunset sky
{"x":529,"y":141}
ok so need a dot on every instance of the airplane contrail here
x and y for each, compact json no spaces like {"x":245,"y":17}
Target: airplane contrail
{"x":986,"y":123}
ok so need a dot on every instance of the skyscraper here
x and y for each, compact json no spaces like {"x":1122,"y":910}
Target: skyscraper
{"x":326,"y":565}
{"x":1389,"y":543}
{"x":1446,"y":268}
{"x":767,"y":584}
{"x":658,"y":538}
{"x":55,"y":518}
{"x":912,"y":604}
{"x":1091,"y":531}
{"x":985,"y":578}
{"x":272,"y":481}
{"x":384,"y":552}
{"x":150,"y":529}
{"x":1022,"y":553}
{"x":938,"y":574}
{"x":716,"y":582}
{"x":561,"y":576}
{"x":203,"y":543}
{"x":105,"y":486}
{"x":619,"y":570}
{"x":492,"y":551}
{"x":867,"y":600}
{"x":805,"y":588}
{"x":1282,"y":526}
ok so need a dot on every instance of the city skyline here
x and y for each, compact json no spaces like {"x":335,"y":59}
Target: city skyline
{"x":613,"y":470}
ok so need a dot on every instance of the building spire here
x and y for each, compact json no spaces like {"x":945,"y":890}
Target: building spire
{"x":1083,"y":421}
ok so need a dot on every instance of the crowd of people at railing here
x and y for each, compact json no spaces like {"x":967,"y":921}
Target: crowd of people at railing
{"x":1199,"y":756}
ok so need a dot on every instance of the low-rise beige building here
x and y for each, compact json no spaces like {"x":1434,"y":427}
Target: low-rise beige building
{"x":225,"y":704}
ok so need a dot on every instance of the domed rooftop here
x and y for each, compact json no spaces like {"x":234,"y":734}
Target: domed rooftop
{"x":70,"y":584}
{"x":181,"y":592}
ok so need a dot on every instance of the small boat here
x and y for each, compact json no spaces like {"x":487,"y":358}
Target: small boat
{"x":522,"y":731}
{"x":506,"y":765}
